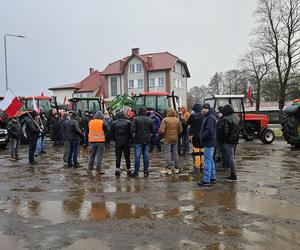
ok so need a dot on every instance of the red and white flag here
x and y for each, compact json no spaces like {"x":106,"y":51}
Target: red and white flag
{"x":35,"y":107}
{"x":10,"y":104}
{"x":249,"y":95}
{"x":65,"y":99}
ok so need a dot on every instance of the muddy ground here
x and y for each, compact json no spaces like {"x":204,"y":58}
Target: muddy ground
{"x":52,"y":207}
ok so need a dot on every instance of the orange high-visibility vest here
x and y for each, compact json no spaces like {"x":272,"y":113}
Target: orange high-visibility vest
{"x":96,"y":133}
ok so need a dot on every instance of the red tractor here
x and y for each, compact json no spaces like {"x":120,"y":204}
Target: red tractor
{"x":253,"y":125}
{"x":156,"y":101}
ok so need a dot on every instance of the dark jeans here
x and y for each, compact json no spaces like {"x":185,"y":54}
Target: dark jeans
{"x":14,"y":147}
{"x":96,"y":154}
{"x":155,"y":141}
{"x":141,"y":149}
{"x":32,"y":148}
{"x":126,"y":151}
{"x":184,"y":143}
{"x":229,"y":155}
{"x":224,"y":163}
{"x":73,"y":151}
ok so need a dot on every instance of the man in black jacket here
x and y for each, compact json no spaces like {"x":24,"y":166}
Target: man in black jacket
{"x":55,"y":129}
{"x":85,"y":127}
{"x":208,"y":140}
{"x":195,"y":122}
{"x":73,"y":134}
{"x":141,"y":128}
{"x":66,"y":117}
{"x":15,"y":132}
{"x":121,"y":134}
{"x":33,"y":132}
{"x":229,"y":137}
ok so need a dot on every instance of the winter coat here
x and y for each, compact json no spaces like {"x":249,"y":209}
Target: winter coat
{"x":208,"y":133}
{"x":142,"y":127}
{"x":230,"y":129}
{"x":195,"y":122}
{"x":184,"y":126}
{"x":85,"y":123}
{"x":63,"y":129}
{"x":71,"y":129}
{"x":156,"y":123}
{"x":14,"y":129}
{"x":170,"y":128}
{"x":121,"y":131}
{"x":32,"y":130}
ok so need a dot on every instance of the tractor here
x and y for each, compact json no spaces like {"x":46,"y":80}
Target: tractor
{"x":159,"y":102}
{"x":81,"y":104}
{"x":291,"y":123}
{"x":253,"y":125}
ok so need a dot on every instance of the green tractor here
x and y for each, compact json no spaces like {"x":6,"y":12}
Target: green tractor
{"x":291,"y":123}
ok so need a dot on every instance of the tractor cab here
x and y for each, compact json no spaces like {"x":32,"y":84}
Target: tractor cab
{"x":156,"y":101}
{"x":252,"y":124}
{"x":81,"y":104}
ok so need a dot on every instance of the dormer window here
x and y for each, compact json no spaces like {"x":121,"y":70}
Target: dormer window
{"x":138,"y":67}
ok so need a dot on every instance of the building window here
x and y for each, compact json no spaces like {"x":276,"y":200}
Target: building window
{"x":140,"y":83}
{"x":176,"y":83}
{"x":161,"y":82}
{"x":152,"y":82}
{"x":139,"y":68}
{"x":131,"y":68}
{"x":113,"y":86}
{"x":179,"y":84}
{"x":131,"y":84}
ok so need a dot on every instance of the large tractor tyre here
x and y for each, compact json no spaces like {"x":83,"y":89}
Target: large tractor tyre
{"x":266,"y":136}
{"x":248,"y":132}
{"x":290,"y":129}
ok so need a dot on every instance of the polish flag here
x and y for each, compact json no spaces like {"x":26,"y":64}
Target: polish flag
{"x":10,"y":104}
{"x":65,"y":99}
{"x":35,"y":107}
{"x":249,"y":95}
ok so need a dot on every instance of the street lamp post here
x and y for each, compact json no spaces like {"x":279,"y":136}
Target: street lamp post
{"x":5,"y":56}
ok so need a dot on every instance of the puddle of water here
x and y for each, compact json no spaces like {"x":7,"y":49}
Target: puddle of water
{"x":11,"y":243}
{"x":266,"y":206}
{"x":62,"y":211}
{"x":91,"y":244}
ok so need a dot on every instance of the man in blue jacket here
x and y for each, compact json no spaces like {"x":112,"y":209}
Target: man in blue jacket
{"x":208,"y":136}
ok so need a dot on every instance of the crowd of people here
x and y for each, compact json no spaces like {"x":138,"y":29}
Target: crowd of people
{"x":207,"y":130}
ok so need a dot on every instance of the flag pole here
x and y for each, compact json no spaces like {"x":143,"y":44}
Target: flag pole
{"x":26,"y":110}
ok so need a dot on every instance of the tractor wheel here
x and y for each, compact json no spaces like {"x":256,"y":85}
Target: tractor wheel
{"x":248,"y":132}
{"x":290,"y":130}
{"x":267,"y":136}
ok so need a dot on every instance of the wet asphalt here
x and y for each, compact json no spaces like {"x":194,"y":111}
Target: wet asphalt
{"x":52,"y":207}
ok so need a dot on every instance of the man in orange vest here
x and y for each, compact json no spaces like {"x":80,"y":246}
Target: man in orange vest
{"x":97,"y":131}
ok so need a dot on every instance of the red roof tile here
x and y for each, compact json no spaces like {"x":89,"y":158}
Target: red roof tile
{"x":92,"y":82}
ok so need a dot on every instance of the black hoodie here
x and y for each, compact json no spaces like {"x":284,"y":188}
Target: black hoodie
{"x":195,"y":122}
{"x":142,"y":127}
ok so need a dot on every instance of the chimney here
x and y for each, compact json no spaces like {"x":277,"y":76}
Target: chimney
{"x":149,"y":60}
{"x":135,"y":51}
{"x":92,"y":70}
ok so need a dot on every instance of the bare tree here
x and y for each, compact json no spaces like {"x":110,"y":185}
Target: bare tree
{"x":279,"y":35}
{"x":197,"y":94}
{"x":216,"y":83}
{"x":258,"y":64}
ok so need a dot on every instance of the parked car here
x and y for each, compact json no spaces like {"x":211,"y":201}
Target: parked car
{"x":4,"y":139}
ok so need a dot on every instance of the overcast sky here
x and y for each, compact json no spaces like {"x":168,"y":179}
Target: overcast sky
{"x":66,"y":37}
